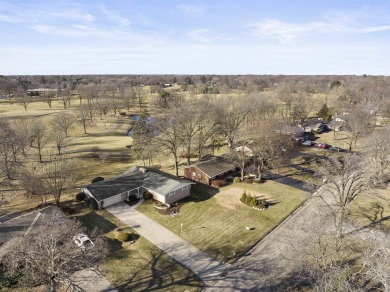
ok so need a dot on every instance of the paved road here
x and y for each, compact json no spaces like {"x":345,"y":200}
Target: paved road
{"x":205,"y":267}
{"x":275,"y":257}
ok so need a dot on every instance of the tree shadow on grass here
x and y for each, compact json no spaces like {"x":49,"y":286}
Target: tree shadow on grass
{"x":157,"y":273}
{"x":374,"y":215}
{"x":201,"y":192}
{"x":93,"y":220}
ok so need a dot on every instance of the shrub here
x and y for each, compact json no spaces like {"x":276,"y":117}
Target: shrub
{"x":91,"y":203}
{"x":262,"y":203}
{"x":244,"y":197}
{"x":123,"y":236}
{"x":236,"y":180}
{"x":96,"y":179}
{"x":133,"y":198}
{"x":218,"y":183}
{"x":253,"y":201}
{"x":147,"y":195}
{"x":80,"y":196}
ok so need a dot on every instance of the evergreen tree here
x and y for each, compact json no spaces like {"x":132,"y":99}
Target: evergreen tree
{"x":325,"y":113}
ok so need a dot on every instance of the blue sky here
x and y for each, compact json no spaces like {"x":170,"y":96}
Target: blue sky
{"x":195,"y":37}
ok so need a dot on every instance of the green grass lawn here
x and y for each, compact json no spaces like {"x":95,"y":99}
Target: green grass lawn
{"x":139,"y":266}
{"x":219,"y":230}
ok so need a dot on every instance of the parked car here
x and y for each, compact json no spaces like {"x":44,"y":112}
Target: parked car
{"x":338,"y":149}
{"x":308,"y":143}
{"x":322,"y":145}
{"x":83,"y":241}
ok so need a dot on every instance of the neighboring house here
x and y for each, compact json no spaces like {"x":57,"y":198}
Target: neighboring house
{"x":293,"y":131}
{"x":210,"y":168}
{"x":315,"y":126}
{"x":165,"y":187}
{"x":248,"y":152}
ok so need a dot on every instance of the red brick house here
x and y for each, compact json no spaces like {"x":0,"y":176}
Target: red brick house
{"x":210,"y":168}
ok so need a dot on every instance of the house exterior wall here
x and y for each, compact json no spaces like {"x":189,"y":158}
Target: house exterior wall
{"x":178,"y":194}
{"x":114,"y":199}
{"x":173,"y":196}
{"x":195,"y":174}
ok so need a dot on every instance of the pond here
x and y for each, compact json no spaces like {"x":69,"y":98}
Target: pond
{"x":135,"y":118}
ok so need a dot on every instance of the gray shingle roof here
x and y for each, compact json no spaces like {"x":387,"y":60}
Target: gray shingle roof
{"x":153,"y":180}
{"x":214,"y":165}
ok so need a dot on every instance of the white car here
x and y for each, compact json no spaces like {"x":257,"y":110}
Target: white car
{"x":83,"y":241}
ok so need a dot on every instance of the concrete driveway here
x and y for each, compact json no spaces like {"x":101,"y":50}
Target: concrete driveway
{"x":205,"y":267}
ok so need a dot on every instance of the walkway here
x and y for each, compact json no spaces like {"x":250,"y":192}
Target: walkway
{"x":205,"y":267}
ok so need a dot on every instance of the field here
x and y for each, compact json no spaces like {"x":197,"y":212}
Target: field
{"x":217,"y":223}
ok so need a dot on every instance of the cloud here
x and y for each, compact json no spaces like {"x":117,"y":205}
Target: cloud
{"x":187,"y":8}
{"x":200,"y":35}
{"x":79,"y":31}
{"x":285,"y":31}
{"x":114,"y":16}
{"x":274,"y":28}
{"x":74,"y":15}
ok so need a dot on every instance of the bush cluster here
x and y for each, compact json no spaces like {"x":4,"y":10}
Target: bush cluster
{"x":252,"y":201}
{"x":218,"y":183}
{"x":80,"y":196}
{"x":236,"y":180}
{"x":123,"y":236}
{"x":91,"y":203}
{"x":96,"y":179}
{"x":147,"y":195}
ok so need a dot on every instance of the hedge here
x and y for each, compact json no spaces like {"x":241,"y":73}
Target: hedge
{"x":96,"y":179}
{"x":123,"y":236}
{"x":80,"y":196}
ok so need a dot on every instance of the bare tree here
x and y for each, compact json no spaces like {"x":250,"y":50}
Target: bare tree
{"x":232,"y":114}
{"x":207,"y":126}
{"x":58,"y":137}
{"x":269,"y":147}
{"x":188,"y":115}
{"x":47,"y":255}
{"x":41,"y":138}
{"x":59,"y":174}
{"x":63,"y":122}
{"x":66,"y":96}
{"x":345,"y":179}
{"x":169,"y":137}
{"x":83,"y":116}
{"x":34,"y":185}
{"x":48,"y":97}
{"x":357,"y":125}
{"x":140,"y":94}
{"x":377,"y":148}
{"x":23,"y":98}
{"x":10,"y":149}
{"x":376,"y":266}
{"x":126,"y":97}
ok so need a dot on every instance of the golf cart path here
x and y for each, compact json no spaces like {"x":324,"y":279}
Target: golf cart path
{"x":207,"y":268}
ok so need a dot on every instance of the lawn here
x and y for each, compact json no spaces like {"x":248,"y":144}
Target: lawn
{"x":139,"y":266}
{"x":373,"y":208}
{"x":220,"y":230}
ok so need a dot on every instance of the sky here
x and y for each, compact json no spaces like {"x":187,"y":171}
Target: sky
{"x":289,"y":37}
